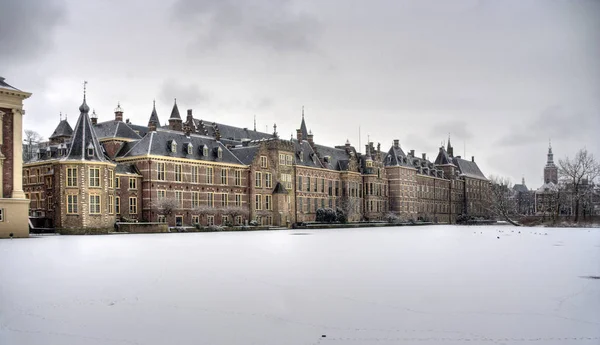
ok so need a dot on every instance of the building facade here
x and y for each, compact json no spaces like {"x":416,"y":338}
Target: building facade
{"x":13,"y":202}
{"x":194,"y":171}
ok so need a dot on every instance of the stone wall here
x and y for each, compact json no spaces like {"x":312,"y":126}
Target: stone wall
{"x":7,"y":152}
{"x":142,"y":228}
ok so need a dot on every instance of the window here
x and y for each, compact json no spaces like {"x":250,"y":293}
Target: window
{"x":195,"y":219}
{"x":224,"y":220}
{"x":224,"y":199}
{"x":50,"y":204}
{"x":49,"y":181}
{"x":263,"y":162}
{"x":300,"y":208}
{"x":281,"y":159}
{"x":179,"y":197}
{"x":178,"y":220}
{"x":308,"y":205}
{"x":161,"y":194}
{"x":209,"y":175}
{"x":224,"y":176}
{"x":299,"y":186}
{"x":287,"y":180}
{"x":238,"y":177}
{"x":117,"y":205}
{"x":94,"y":204}
{"x":195,"y":199}
{"x":322,"y":185}
{"x":160,"y":171}
{"x":39,"y":176}
{"x":210,"y":220}
{"x":316,"y":185}
{"x":220,"y":152}
{"x":173,"y":146}
{"x":178,"y":172}
{"x":258,"y":179}
{"x":268,"y":180}
{"x":132,"y":183}
{"x":195,"y":174}
{"x":71,"y":177}
{"x":117,"y":182}
{"x":94,"y":177}
{"x":238,"y":200}
{"x":132,"y":205}
{"x":268,"y":202}
{"x":238,"y":220}
{"x":72,"y":204}
{"x":210,"y":199}
{"x":288,"y":160}
{"x":26,"y":177}
{"x":1,"y":214}
{"x":190,"y":148}
{"x":258,"y":202}
{"x":111,"y":178}
{"x":111,"y":204}
{"x":161,"y":218}
{"x":205,"y":150}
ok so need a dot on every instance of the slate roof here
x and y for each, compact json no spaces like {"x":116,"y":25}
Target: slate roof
{"x":521,"y":188}
{"x":443,"y":158}
{"x":396,"y":157}
{"x":548,"y":187}
{"x":143,"y":130}
{"x":231,"y":133}
{"x":129,"y":169}
{"x":158,"y":143}
{"x":279,"y":189}
{"x":468,"y":168}
{"x":84,"y":137}
{"x":115,"y":129}
{"x":338,"y":158}
{"x":303,"y":127}
{"x":5,"y":85}
{"x":305,"y":156}
{"x":245,"y":154}
{"x":63,"y":129}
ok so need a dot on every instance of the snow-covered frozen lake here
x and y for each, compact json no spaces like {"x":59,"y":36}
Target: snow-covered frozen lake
{"x":409,"y":285}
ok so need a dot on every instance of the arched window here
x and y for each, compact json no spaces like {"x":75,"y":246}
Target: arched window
{"x":90,"y":149}
{"x":190,"y":148}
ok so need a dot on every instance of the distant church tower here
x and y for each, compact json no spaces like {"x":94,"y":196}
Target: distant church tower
{"x":550,"y":170}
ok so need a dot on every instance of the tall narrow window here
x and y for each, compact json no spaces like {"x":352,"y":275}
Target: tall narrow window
{"x":161,"y":194}
{"x":258,"y":179}
{"x":238,"y":177}
{"x":195,"y":199}
{"x":224,"y":176}
{"x":160,"y":171}
{"x":210,"y":199}
{"x":238,"y":200}
{"x":117,"y":205}
{"x":111,"y":204}
{"x":258,"y":202}
{"x":268,"y":202}
{"x":224,"y":199}
{"x":179,"y":198}
{"x":71,"y":177}
{"x":132,"y":183}
{"x":268,"y":180}
{"x":195,"y":174}
{"x":263,"y":162}
{"x":94,"y":177}
{"x":117,"y":182}
{"x":178,"y":172}
{"x":111,"y":178}
{"x":133,"y":205}
{"x":209,"y":175}
{"x":94,"y":204}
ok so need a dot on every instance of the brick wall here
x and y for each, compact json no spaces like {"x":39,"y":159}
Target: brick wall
{"x":7,"y":151}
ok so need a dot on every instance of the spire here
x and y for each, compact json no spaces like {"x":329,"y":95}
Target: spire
{"x":84,"y":143}
{"x":550,"y":160}
{"x":523,"y":180}
{"x":175,"y":112}
{"x":449,"y":148}
{"x":303,"y":130}
{"x":83,"y":108}
{"x":275,"y":130}
{"x":255,"y":123}
{"x":154,"y":115}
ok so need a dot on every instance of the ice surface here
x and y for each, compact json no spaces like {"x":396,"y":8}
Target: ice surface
{"x":408,"y":285}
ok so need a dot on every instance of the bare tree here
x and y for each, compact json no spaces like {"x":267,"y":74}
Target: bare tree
{"x":502,"y":202}
{"x":578,"y":174}
{"x":203,"y":209}
{"x":32,"y":140}
{"x":234,"y":211}
{"x":350,"y":206}
{"x":166,"y":206}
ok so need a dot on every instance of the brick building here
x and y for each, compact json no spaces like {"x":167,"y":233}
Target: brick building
{"x":222,"y":174}
{"x":13,"y":202}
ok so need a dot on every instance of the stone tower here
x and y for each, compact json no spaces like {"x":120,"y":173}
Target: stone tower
{"x":550,"y":170}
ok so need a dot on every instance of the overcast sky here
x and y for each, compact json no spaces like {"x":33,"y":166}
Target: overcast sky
{"x":502,"y":77}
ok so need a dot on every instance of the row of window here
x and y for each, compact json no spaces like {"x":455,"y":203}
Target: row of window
{"x":258,"y":179}
{"x":195,"y":174}
{"x":95,"y":203}
{"x":258,"y":202}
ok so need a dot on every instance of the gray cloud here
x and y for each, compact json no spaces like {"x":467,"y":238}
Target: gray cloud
{"x":454,"y":128}
{"x":275,"y":25}
{"x":27,"y":28}
{"x":190,"y":94}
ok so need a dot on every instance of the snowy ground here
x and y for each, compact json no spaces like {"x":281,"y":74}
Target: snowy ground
{"x":409,"y":285}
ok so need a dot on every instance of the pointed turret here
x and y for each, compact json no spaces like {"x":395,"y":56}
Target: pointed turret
{"x":449,"y":147}
{"x":550,"y":170}
{"x":118,"y":112}
{"x":84,"y":143}
{"x":303,"y":130}
{"x":62,"y":132}
{"x":175,"y":122}
{"x":153,"y":116}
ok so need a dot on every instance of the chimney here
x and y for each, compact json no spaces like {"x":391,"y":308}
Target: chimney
{"x":187,"y":130}
{"x":378,"y":147}
{"x":423,"y":155}
{"x":152,"y":126}
{"x":472,"y":158}
{"x":189,"y":119}
{"x":309,"y":137}
{"x":94,"y":117}
{"x":299,"y":135}
{"x":450,"y":151}
{"x":118,"y":113}
{"x":396,"y":143}
{"x":412,"y":153}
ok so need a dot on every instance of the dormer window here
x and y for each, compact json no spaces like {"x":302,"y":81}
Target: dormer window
{"x":173,"y":146}
{"x":90,"y":149}
{"x":220,"y":152}
{"x":369,"y":164}
{"x":190,"y":148}
{"x":48,"y":152}
{"x":205,"y":150}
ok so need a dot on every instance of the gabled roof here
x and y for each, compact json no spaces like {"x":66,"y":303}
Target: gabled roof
{"x":338,"y":158}
{"x":127,"y":169}
{"x":396,"y":157}
{"x":279,"y":189}
{"x":443,"y":158}
{"x":468,"y":168}
{"x":142,"y":130}
{"x":228,"y":132}
{"x":84,"y":137}
{"x":158,"y":143}
{"x":62,"y":130}
{"x":548,"y":187}
{"x":305,"y":156}
{"x":115,"y":129}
